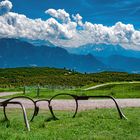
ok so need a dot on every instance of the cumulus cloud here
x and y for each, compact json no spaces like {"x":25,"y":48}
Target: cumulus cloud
{"x":5,"y":7}
{"x":60,"y":14}
{"x":62,"y":30}
{"x":78,"y":19}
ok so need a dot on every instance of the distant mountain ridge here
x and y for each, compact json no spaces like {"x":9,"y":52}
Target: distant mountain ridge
{"x":17,"y":53}
{"x":130,"y":64}
{"x":103,"y":50}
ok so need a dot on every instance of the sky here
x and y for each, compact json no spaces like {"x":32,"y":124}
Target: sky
{"x":73,"y":23}
{"x":106,"y":12}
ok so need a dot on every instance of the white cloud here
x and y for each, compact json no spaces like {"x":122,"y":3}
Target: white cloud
{"x":62,"y":30}
{"x":5,"y":7}
{"x":78,"y":19}
{"x":60,"y":14}
{"x":19,"y":26}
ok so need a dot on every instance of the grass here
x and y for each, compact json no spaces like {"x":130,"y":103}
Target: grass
{"x":122,"y":90}
{"x":10,"y":89}
{"x":98,"y":124}
{"x":119,"y":90}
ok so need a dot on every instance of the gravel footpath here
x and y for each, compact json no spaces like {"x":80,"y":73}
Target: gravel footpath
{"x":106,"y":84}
{"x":2,"y":94}
{"x":83,"y":104}
{"x":92,"y":104}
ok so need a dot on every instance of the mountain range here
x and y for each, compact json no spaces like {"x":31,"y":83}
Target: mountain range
{"x":17,"y":53}
{"x":103,"y":50}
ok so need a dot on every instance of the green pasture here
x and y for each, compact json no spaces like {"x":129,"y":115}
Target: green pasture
{"x":117,"y":90}
{"x":98,"y":124}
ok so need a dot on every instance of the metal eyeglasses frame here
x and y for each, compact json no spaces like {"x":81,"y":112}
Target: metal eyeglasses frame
{"x":36,"y":108}
{"x":77,"y":98}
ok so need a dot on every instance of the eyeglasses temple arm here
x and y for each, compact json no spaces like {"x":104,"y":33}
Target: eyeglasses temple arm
{"x":23,"y":110}
{"x":110,"y":97}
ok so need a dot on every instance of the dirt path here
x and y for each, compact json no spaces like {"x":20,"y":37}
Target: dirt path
{"x":117,"y":83}
{"x":2,"y":94}
{"x":92,"y":104}
{"x":84,"y":104}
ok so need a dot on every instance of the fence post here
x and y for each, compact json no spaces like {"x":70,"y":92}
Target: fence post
{"x":38,"y":90}
{"x":24,"y":90}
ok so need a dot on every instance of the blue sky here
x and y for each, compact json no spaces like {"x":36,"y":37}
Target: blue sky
{"x":106,"y":12}
{"x":72,"y":23}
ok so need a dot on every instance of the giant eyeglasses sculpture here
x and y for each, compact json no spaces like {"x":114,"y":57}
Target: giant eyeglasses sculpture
{"x":55,"y":108}
{"x":53,"y":104}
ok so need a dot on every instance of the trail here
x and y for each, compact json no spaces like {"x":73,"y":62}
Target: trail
{"x":106,"y":84}
{"x":2,"y":94}
{"x":83,"y":104}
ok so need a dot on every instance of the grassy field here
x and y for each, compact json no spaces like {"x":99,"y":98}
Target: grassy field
{"x":10,"y":89}
{"x":100,"y":124}
{"x":119,"y":90}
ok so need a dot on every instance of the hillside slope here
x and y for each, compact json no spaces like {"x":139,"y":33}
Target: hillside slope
{"x":58,"y":77}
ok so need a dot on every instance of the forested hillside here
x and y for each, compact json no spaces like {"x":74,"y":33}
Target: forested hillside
{"x":58,"y":77}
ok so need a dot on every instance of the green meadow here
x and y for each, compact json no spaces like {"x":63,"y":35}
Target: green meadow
{"x":119,"y":90}
{"x":98,"y":124}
